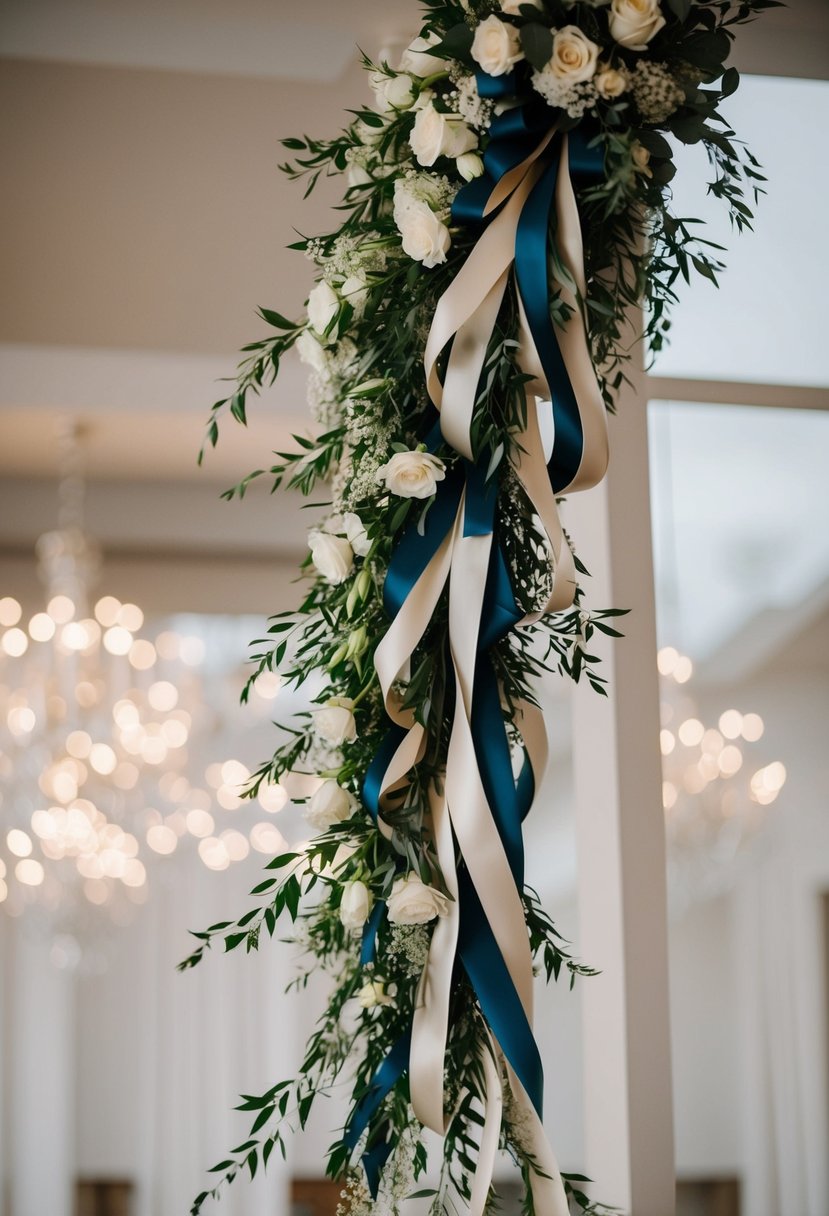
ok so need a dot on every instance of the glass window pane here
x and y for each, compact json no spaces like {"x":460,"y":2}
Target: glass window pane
{"x":740,"y":501}
{"x":765,"y":322}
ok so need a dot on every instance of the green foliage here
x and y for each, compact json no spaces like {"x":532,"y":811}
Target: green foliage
{"x":370,"y":401}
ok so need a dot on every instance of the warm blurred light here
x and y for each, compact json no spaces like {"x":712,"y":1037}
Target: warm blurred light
{"x":199,"y":823}
{"x":683,"y":670}
{"x":29,"y":872}
{"x":41,"y":627}
{"x":235,"y":843}
{"x":18,"y":843}
{"x":130,"y":617}
{"x":117,"y":640}
{"x":15,"y":643}
{"x":691,"y":732}
{"x":61,"y":609}
{"x":162,"y":695}
{"x":10,"y":611}
{"x":731,"y":723}
{"x":142,"y":654}
{"x":266,"y":838}
{"x":162,"y":839}
{"x":272,"y":798}
{"x":752,"y":728}
{"x":666,"y":660}
{"x":107,"y":609}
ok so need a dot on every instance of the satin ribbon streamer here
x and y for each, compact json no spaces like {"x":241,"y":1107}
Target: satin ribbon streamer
{"x":525,"y":198}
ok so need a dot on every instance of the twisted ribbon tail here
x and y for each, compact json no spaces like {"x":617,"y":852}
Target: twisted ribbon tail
{"x":476,"y":819}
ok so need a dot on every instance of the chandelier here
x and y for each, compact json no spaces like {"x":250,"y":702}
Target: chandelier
{"x":97,"y":722}
{"x":716,"y":787}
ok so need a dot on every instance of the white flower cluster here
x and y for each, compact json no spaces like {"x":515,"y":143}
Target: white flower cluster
{"x":656,"y":91}
{"x":409,"y":945}
{"x":467,"y":101}
{"x":355,"y":1199}
{"x":421,"y":205}
{"x":574,"y":99}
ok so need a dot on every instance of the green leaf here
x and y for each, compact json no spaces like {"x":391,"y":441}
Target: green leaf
{"x":537,"y":44}
{"x":233,"y":940}
{"x":276,"y":319}
{"x":680,"y":8}
{"x":456,"y":44}
{"x":656,"y":144}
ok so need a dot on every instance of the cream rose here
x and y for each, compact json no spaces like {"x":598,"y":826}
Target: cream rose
{"x":426,"y":238}
{"x":436,"y":134}
{"x":355,"y":904}
{"x":355,"y":530}
{"x":393,"y":92}
{"x":332,"y":555}
{"x":323,"y":306}
{"x":355,"y":291}
{"x":512,"y":8}
{"x":641,"y":158}
{"x":335,"y":722}
{"x":610,"y":82}
{"x":330,"y":804}
{"x":470,"y":166}
{"x":413,"y":903}
{"x":496,"y":46}
{"x":574,"y":56}
{"x":412,"y":474}
{"x":633,"y":23}
{"x":416,"y":61}
{"x":376,"y":992}
{"x":310,"y":351}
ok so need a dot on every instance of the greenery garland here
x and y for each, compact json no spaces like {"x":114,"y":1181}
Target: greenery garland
{"x":637,"y":77}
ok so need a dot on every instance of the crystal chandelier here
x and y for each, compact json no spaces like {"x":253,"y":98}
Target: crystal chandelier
{"x":715,"y":788}
{"x":94,"y":723}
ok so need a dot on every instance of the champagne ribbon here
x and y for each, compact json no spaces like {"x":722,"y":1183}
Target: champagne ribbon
{"x":475,"y":819}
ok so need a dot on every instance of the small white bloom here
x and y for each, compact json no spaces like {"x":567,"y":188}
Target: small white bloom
{"x":633,"y":23}
{"x":355,"y":904}
{"x":357,"y":176}
{"x":355,"y":291}
{"x":376,"y":992}
{"x":512,"y":8}
{"x":470,"y":166}
{"x":611,"y":82}
{"x":330,"y":804}
{"x":412,"y":902}
{"x":311,"y":352}
{"x":412,"y":474}
{"x":332,"y":555}
{"x":574,"y":56}
{"x":368,"y":133}
{"x":400,"y":92}
{"x":496,"y":46}
{"x":355,"y":530}
{"x":416,"y":61}
{"x":335,"y":722}
{"x":437,"y":134}
{"x":323,"y":306}
{"x":641,"y":158}
{"x":425,"y":237}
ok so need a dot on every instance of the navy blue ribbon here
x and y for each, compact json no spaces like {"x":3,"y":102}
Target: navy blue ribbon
{"x":513,"y":137}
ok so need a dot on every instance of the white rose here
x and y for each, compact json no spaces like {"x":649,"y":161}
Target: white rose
{"x":323,"y":306}
{"x":355,"y":291}
{"x":332,"y":555}
{"x":470,"y":166}
{"x":574,"y":56}
{"x":435,"y":134}
{"x":357,"y":176}
{"x":367,"y":133}
{"x":425,"y":237}
{"x":412,"y":474}
{"x":330,"y":804}
{"x":335,"y":722}
{"x":310,"y":351}
{"x":376,"y":992}
{"x":634,"y":22}
{"x":610,"y":82}
{"x":400,"y":92}
{"x":413,"y":903}
{"x":415,"y":61}
{"x":355,"y":905}
{"x":512,"y":8}
{"x":641,"y":158}
{"x":355,"y":530}
{"x":496,"y":47}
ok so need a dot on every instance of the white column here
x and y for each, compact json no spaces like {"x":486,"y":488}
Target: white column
{"x":621,"y":848}
{"x":40,"y":1079}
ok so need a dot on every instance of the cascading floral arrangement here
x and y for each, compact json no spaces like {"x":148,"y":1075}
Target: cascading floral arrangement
{"x":507,"y":204}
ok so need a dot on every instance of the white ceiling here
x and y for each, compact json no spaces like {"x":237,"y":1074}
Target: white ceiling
{"x":311,"y":41}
